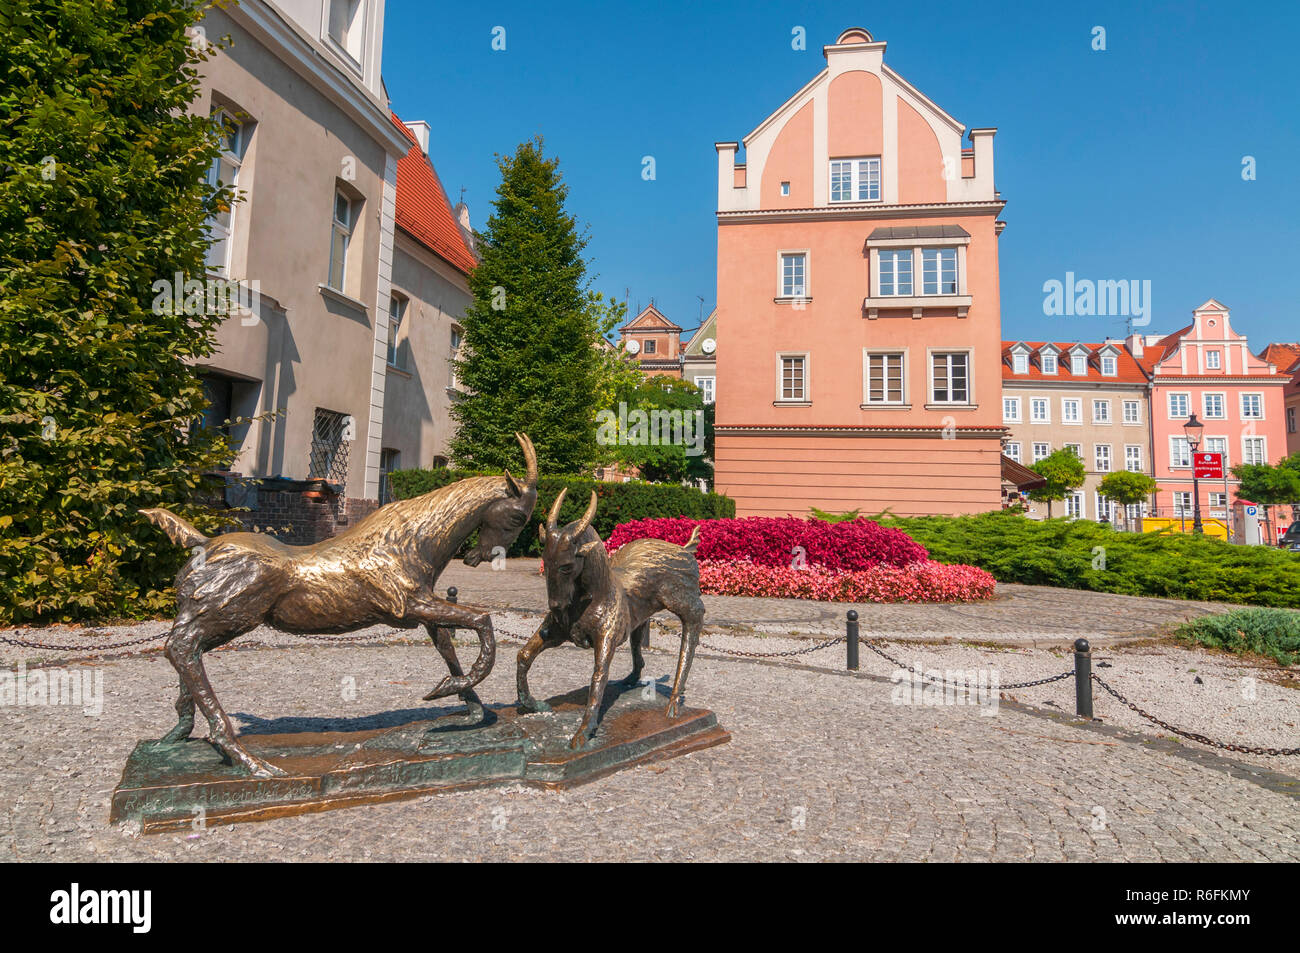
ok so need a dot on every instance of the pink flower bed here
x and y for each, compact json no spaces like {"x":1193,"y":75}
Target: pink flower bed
{"x":925,"y":581}
{"x":853,"y":545}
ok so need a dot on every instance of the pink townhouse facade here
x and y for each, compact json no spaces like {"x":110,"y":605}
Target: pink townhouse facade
{"x":1207,"y":369}
{"x":858,"y":299}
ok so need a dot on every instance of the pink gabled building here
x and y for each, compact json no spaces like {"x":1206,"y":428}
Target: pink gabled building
{"x":858,"y":299}
{"x":1207,"y":368}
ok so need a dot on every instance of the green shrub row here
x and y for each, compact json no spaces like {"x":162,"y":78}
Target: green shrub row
{"x":1080,"y":554}
{"x":617,"y":502}
{"x":1271,"y":632}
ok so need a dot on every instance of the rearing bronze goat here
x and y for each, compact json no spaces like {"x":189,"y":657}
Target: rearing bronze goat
{"x":381,"y":571}
{"x":596,"y":600}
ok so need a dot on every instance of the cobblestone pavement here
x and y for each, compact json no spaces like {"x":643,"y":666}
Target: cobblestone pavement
{"x":822,"y":766}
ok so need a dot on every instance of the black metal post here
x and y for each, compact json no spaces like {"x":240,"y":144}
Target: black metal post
{"x":1196,"y":504}
{"x":451,"y":594}
{"x":851,"y":642}
{"x":1082,"y":678}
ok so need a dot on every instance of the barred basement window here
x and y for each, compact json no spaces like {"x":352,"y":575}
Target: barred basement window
{"x":331,"y":436}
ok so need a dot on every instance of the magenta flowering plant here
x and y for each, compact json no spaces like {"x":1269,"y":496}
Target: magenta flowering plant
{"x":786,"y":541}
{"x":924,"y":581}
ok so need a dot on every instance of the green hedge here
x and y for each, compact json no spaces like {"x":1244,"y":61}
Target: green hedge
{"x":1271,"y":632}
{"x":1080,"y":554}
{"x":618,"y":502}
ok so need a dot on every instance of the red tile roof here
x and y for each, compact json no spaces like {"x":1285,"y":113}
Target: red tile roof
{"x":422,"y":208}
{"x":1127,"y":370}
{"x":1285,"y":356}
{"x":1153,"y":354}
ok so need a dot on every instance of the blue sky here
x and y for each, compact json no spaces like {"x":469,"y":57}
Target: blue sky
{"x":1122,"y":164}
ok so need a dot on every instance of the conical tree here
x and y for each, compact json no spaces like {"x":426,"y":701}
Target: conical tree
{"x":529,"y":361}
{"x":103,"y":195}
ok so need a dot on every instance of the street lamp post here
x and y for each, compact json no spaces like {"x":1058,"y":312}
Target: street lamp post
{"x":1193,"y":429}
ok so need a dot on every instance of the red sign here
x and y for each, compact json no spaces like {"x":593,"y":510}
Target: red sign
{"x":1207,"y":466}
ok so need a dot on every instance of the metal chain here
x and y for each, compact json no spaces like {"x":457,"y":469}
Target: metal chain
{"x":869,"y":643}
{"x":786,"y":654}
{"x":23,"y":644}
{"x":1195,"y":736}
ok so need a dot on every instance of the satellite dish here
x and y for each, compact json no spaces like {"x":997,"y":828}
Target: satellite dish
{"x":708,"y":346}
{"x":632,"y":346}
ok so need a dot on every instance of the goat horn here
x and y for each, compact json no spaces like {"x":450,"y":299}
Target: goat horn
{"x":552,"y":519}
{"x":586,"y":517}
{"x":530,"y":457}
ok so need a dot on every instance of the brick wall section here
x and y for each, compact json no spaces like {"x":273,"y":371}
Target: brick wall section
{"x":300,"y":516}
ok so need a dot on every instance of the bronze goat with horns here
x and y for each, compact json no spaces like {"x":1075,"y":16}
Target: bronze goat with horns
{"x":381,"y":571}
{"x":596,"y":600}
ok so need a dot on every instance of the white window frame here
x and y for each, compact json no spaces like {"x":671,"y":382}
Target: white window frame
{"x":901,"y":354}
{"x":1044,"y":454}
{"x":1104,"y":507}
{"x":1222,"y":398}
{"x":1034,"y":404}
{"x":1259,"y":397}
{"x":707,"y":393}
{"x":1076,"y":448}
{"x":341,"y":233}
{"x":861,"y":170}
{"x":781,"y":256}
{"x":351,"y":44}
{"x":395,"y":327}
{"x":1212,"y":359}
{"x":1216,"y":443}
{"x":233,"y":157}
{"x":1046,"y":356}
{"x":1182,"y":503}
{"x":1014,"y":416}
{"x":1077,"y":404}
{"x":1103,"y":404}
{"x":1247,"y":440}
{"x":1109,"y":361}
{"x":1136,"y":407}
{"x":781,"y":358}
{"x":1019,"y":362}
{"x":1175,"y":459}
{"x":930,"y":355}
{"x":1074,"y":505}
{"x":1185,"y":397}
{"x":939,"y":255}
{"x":1013,"y":450}
{"x":895,"y":256}
{"x":1133,"y":457}
{"x":1079,"y":365}
{"x":1098,"y":457}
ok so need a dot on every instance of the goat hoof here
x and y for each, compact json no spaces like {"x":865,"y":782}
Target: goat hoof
{"x":578,"y":741}
{"x":263,"y":769}
{"x":532,"y":706}
{"x":179,"y":733}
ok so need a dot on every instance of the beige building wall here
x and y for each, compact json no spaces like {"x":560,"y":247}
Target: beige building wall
{"x":313,"y":124}
{"x":1088,"y":434}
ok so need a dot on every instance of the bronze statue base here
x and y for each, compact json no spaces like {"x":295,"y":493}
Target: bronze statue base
{"x":186,"y":785}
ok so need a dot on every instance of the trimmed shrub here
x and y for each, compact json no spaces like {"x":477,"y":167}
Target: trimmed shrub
{"x":923,"y":581}
{"x":1080,"y":554}
{"x":618,"y":502}
{"x":851,"y":545}
{"x":1271,"y":632}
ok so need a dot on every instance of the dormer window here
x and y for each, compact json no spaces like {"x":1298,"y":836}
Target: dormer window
{"x":347,"y":26}
{"x":1020,"y":363}
{"x":855,"y":180}
{"x":1047,"y":360}
{"x":1079,"y":365}
{"x":1109,"y":365}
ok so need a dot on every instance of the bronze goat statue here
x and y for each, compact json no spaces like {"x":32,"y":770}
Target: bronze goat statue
{"x":597,"y":600}
{"x":381,"y":571}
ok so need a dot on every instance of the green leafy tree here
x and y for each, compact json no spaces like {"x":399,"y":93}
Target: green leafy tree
{"x":1127,"y":487}
{"x":102,"y":195}
{"x":1268,"y":484}
{"x":671,"y":442}
{"x":530,"y":360}
{"x":1063,"y":471}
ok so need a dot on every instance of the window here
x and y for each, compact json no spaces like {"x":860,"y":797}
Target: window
{"x":1079,"y":365}
{"x":1132,"y":412}
{"x":895,"y":272}
{"x":1013,"y":450}
{"x":794,"y":269}
{"x":1212,"y":360}
{"x":1075,"y":448}
{"x":1101,"y":457}
{"x":1219,"y":500}
{"x":1040,"y":411}
{"x":1042,"y":451}
{"x":1178,"y":404}
{"x":855,"y":180}
{"x":1071,"y":410}
{"x":1182,"y":503}
{"x":885,"y":378}
{"x":1252,"y":406}
{"x":1133,"y":458}
{"x":939,"y":271}
{"x":794,"y":378}
{"x":331,"y":435}
{"x":1020,"y":363}
{"x":396,"y":310}
{"x":950,"y":378}
{"x":347,"y":26}
{"x":1290,"y":420}
{"x":1180,"y":455}
{"x":388,"y":462}
{"x":454,"y":356}
{"x":1217,"y":445}
{"x":1011,"y":410}
{"x":1252,"y":450}
{"x":1101,"y":411}
{"x":1048,"y":362}
{"x":650,"y":346}
{"x":1074,"y":505}
{"x":224,"y":171}
{"x":707,"y":386}
{"x":340,"y":235}
{"x":1103,"y":508}
{"x":1213,"y":406}
{"x":1109,"y":365}
{"x":785,"y":188}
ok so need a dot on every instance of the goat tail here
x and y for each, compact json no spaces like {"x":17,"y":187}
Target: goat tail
{"x":693,"y":541}
{"x":179,"y":531}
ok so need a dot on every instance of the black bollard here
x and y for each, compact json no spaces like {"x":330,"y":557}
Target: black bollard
{"x":451,"y":595}
{"x":1082,"y":678}
{"x":851,"y":642}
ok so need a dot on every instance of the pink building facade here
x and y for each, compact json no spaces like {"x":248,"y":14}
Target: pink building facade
{"x":1207,"y":369}
{"x":858,"y":295}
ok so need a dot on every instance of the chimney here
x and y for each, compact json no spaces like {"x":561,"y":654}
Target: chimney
{"x":1135,"y":344}
{"x":420,"y":130}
